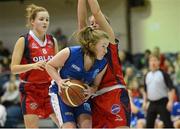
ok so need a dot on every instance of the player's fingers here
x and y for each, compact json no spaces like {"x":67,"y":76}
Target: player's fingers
{"x":40,"y":68}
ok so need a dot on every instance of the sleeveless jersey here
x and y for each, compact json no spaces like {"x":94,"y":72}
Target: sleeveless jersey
{"x":74,"y":68}
{"x":34,"y":52}
{"x":114,"y":74}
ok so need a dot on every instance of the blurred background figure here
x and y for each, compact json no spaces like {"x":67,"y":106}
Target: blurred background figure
{"x":159,"y":90}
{"x":157,"y":52}
{"x":3,"y":50}
{"x":10,"y":99}
{"x":61,"y":38}
{"x":176,"y":115}
{"x":3,"y":115}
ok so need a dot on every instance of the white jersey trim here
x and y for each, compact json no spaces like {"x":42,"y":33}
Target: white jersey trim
{"x":41,"y":43}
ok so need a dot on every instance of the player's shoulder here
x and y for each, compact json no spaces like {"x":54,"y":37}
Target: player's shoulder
{"x":75,"y":49}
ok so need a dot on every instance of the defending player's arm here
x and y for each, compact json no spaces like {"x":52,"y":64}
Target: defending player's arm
{"x":101,"y":20}
{"x":56,"y":63}
{"x":91,"y":90}
{"x":82,"y":14}
{"x":17,"y":55}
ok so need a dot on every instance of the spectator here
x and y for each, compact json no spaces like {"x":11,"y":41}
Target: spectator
{"x":177,"y":74}
{"x":144,"y":61}
{"x":3,"y":51}
{"x":12,"y":102}
{"x":61,"y":38}
{"x":5,"y":64}
{"x":123,"y":58}
{"x":176,"y":115}
{"x":129,"y":74}
{"x":161,"y":57}
{"x":3,"y":115}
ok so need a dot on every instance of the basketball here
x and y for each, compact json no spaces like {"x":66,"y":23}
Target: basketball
{"x":72,"y":93}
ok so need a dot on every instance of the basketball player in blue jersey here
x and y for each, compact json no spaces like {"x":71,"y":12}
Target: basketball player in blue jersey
{"x":85,"y":63}
{"x":107,"y":111}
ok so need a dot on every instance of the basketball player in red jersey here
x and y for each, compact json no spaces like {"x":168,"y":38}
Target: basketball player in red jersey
{"x":31,"y":52}
{"x":111,"y":106}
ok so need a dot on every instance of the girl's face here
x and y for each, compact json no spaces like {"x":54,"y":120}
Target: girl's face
{"x":41,"y":22}
{"x":101,"y":48}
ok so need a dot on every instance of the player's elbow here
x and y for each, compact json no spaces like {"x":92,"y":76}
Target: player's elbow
{"x":13,"y":69}
{"x":96,"y":12}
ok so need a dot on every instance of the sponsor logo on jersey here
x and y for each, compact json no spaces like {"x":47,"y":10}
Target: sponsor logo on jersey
{"x":68,"y":113}
{"x":115,"y":109}
{"x":95,"y":73}
{"x":34,"y":45}
{"x":33,"y":106}
{"x":87,"y":106}
{"x":42,"y":58}
{"x":77,"y":68}
{"x":44,"y":51}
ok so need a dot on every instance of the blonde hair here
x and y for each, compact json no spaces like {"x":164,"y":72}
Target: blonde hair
{"x":32,"y":11}
{"x":88,"y":38}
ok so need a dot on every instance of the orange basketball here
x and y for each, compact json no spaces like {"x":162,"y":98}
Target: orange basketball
{"x":73,"y":93}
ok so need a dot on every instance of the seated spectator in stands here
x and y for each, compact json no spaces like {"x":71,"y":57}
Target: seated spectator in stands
{"x":177,"y":74}
{"x":1,"y":68}
{"x":3,"y":51}
{"x":147,"y":53}
{"x":134,"y":87}
{"x":3,"y":115}
{"x":5,"y":64}
{"x":176,"y":115}
{"x":11,"y":94}
{"x":129,"y":74}
{"x":157,"y":52}
{"x":61,"y":38}
{"x":138,"y":114}
{"x":11,"y":101}
{"x":140,"y":60}
{"x":123,"y":58}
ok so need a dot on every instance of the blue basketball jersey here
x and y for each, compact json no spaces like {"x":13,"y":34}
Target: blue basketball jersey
{"x":74,"y":68}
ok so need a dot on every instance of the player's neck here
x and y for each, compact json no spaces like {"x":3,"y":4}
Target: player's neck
{"x":39,"y":35}
{"x":87,"y":62}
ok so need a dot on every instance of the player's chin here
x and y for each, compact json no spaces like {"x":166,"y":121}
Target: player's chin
{"x":100,"y":57}
{"x":44,"y":29}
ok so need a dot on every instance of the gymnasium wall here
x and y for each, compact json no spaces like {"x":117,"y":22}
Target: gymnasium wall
{"x":155,"y":24}
{"x":62,"y":14}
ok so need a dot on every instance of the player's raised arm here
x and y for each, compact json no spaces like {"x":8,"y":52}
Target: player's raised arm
{"x":82,"y":14}
{"x":101,"y":20}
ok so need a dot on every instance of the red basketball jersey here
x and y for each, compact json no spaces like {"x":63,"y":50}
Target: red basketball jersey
{"x":114,"y":74}
{"x":35,"y":52}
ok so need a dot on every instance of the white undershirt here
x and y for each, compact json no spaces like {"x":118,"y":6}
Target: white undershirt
{"x":40,"y":42}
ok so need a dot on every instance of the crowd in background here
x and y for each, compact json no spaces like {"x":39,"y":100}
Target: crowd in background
{"x":135,"y":66}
